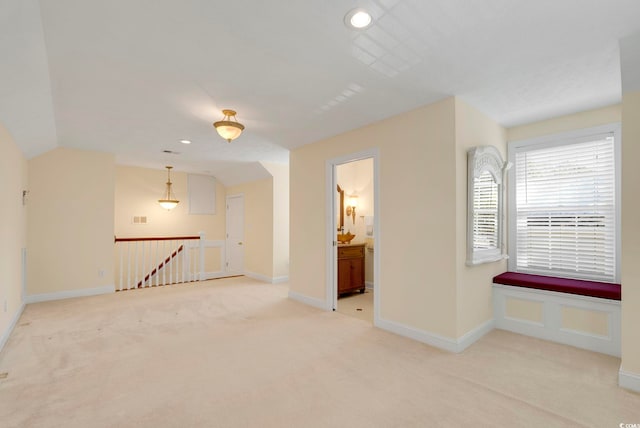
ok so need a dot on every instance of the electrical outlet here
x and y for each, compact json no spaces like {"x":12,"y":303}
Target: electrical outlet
{"x":101,"y":273}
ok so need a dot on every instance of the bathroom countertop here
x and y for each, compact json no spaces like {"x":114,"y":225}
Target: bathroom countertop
{"x":351,"y":244}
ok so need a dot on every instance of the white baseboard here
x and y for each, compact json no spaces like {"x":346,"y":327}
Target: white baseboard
{"x":441,"y":342}
{"x":36,"y":298}
{"x":629,"y":380}
{"x":257,"y":276}
{"x":280,"y":279}
{"x":311,"y":301}
{"x":550,"y":327}
{"x":368,"y":285}
{"x":474,"y":335}
{"x":264,"y":278}
{"x":210,"y":275}
{"x":10,"y":327}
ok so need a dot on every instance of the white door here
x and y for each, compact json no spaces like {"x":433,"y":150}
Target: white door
{"x":235,"y":235}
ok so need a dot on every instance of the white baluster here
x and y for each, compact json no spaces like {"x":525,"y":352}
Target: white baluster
{"x":189,"y":263}
{"x":201,"y":257}
{"x":177,"y":258}
{"x":164,"y":262}
{"x":135,"y":280}
{"x":150,"y":257}
{"x":144,"y":262}
{"x":121,"y":263}
{"x":170,"y":261}
{"x":184,"y":259}
{"x":156,"y":264}
{"x":128,"y":265}
{"x":150,"y":245}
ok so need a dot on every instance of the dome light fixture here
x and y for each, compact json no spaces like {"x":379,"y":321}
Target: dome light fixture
{"x":227,"y":128}
{"x":168,"y":200}
{"x":358,"y":19}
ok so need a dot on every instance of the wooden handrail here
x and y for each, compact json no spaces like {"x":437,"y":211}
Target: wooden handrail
{"x":165,"y":238}
{"x":160,"y":266}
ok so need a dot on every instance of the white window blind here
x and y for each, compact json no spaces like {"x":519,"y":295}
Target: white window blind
{"x":485,"y":212}
{"x":566,"y":209}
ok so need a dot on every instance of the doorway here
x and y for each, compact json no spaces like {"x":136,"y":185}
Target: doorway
{"x":234,"y":264}
{"x":353,"y":268}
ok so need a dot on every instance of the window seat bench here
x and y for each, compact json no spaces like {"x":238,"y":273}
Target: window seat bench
{"x":603,"y":290}
{"x":585,"y":314}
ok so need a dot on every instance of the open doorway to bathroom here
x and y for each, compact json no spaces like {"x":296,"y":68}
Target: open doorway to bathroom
{"x":354,"y":267}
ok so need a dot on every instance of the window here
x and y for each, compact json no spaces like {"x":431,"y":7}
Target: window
{"x":563,"y":211}
{"x":485,"y":212}
{"x":484,"y":224}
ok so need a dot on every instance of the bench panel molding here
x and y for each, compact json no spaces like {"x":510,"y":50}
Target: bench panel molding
{"x":552,"y":327}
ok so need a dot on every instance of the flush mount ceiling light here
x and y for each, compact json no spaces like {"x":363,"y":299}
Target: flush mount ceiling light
{"x":185,"y":141}
{"x":358,"y":19}
{"x":169,"y":200}
{"x":227,"y":128}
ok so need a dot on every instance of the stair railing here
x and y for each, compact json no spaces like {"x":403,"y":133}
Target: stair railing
{"x":155,"y":261}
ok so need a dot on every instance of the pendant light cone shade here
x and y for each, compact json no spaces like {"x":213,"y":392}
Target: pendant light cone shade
{"x":227,"y":128}
{"x":169,"y":200}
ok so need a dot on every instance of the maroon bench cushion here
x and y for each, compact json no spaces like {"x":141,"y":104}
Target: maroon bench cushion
{"x":604,"y":290}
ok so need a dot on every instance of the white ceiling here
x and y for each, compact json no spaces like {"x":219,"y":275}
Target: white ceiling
{"x":133,"y":77}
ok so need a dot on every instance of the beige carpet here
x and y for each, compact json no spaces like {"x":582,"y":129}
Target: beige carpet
{"x":357,"y":305}
{"x":238,"y":353}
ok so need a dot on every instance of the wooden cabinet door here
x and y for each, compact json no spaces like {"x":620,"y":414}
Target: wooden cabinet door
{"x":357,"y":273}
{"x":344,"y":275}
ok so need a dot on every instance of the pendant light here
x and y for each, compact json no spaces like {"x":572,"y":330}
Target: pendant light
{"x":227,"y":128}
{"x":169,"y":200}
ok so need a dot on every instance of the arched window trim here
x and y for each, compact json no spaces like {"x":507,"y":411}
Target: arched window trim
{"x":482,"y":159}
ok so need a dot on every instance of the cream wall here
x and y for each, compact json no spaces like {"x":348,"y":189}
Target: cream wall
{"x":258,"y":227}
{"x":586,"y":119}
{"x":280,"y":173}
{"x":70,"y":218}
{"x":137,"y":191}
{"x":631,"y":234}
{"x":473,"y":283}
{"x":13,"y":230}
{"x":417,"y":218}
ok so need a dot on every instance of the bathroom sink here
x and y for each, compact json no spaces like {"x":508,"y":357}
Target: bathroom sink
{"x":345,"y":238}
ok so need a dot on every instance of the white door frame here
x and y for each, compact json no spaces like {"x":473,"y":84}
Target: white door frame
{"x":331,"y":293}
{"x":227,"y":250}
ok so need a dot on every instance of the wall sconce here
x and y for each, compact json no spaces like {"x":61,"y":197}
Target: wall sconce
{"x":351,"y":207}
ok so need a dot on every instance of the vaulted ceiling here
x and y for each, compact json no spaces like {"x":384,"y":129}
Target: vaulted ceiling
{"x":133,"y":77}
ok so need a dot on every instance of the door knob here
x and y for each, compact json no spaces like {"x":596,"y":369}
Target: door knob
{"x":239,"y":243}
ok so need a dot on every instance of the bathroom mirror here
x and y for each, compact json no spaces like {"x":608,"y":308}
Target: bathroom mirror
{"x":340,"y":214}
{"x":484,"y":205}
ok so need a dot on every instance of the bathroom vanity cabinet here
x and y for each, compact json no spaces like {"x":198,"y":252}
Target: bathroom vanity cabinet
{"x":351,"y":268}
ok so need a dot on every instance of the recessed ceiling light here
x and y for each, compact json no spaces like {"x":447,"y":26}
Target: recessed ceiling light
{"x":185,"y":141}
{"x":358,"y":19}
